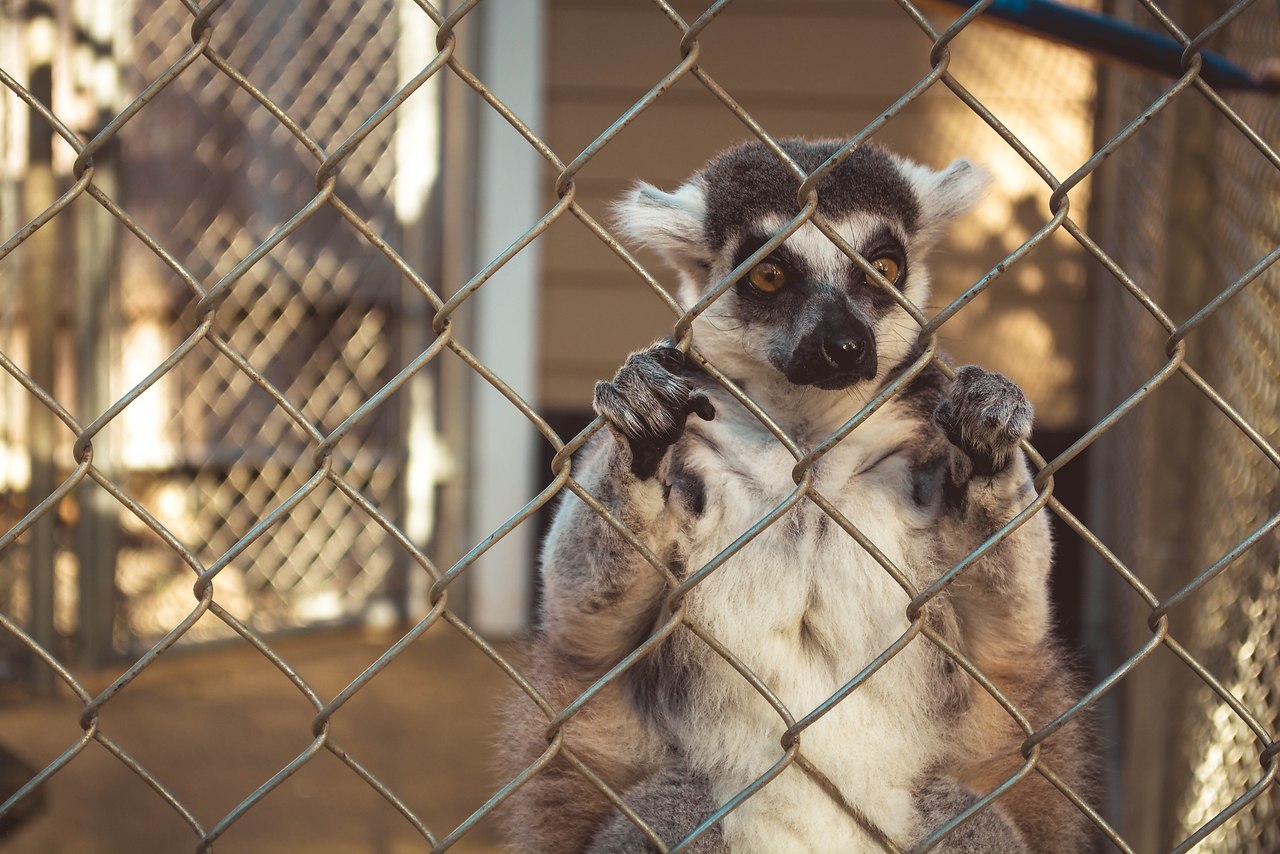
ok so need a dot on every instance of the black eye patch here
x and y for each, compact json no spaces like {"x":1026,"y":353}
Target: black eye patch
{"x":776,"y":280}
{"x":748,"y":246}
{"x":882,"y":244}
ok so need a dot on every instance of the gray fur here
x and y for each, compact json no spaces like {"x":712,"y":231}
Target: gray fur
{"x":927,"y":478}
{"x":987,"y":832}
{"x":750,"y":182}
{"x":673,"y":802}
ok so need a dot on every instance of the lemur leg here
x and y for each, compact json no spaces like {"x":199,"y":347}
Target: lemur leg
{"x":599,"y":599}
{"x":672,"y":802}
{"x":1002,"y":603}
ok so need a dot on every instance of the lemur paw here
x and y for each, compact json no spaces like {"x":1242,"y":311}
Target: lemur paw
{"x":648,"y":402}
{"x":986,"y":416}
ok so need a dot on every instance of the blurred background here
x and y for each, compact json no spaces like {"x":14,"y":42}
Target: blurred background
{"x":207,"y":172}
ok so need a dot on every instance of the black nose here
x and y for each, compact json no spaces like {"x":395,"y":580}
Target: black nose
{"x":845,"y":352}
{"x":850,"y":353}
{"x":835,"y":353}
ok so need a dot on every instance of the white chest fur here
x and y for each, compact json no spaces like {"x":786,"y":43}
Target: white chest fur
{"x":806,"y":609}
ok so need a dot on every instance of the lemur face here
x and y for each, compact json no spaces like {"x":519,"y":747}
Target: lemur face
{"x":806,"y":309}
{"x":809,"y":309}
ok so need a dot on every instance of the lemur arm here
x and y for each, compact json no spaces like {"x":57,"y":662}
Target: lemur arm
{"x":1003,"y":598}
{"x":599,"y":599}
{"x":600,"y":591}
{"x":1002,"y":603}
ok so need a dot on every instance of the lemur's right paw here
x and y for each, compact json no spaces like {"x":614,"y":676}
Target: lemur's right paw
{"x":648,"y":402}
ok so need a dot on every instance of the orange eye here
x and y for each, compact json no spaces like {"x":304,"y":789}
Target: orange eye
{"x":767,"y":277}
{"x":888,"y":266}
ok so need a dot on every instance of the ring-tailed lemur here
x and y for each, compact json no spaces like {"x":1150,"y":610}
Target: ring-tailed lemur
{"x":927,"y":478}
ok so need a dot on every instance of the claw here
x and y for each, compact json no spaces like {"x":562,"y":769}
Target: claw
{"x":669,"y":357}
{"x":702,"y":406}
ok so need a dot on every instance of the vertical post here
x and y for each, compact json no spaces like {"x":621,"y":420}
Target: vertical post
{"x":1098,"y":616}
{"x":418,"y":151}
{"x":13,"y":168}
{"x":506,"y":311}
{"x":456,"y":215}
{"x":1159,"y":777}
{"x":94,"y":313}
{"x":40,"y":276}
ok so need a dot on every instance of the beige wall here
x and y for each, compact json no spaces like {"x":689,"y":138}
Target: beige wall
{"x":818,"y":69}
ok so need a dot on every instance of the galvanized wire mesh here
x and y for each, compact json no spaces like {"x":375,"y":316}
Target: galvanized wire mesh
{"x":227,"y":315}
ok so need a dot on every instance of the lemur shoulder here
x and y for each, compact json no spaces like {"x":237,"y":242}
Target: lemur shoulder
{"x":927,"y":478}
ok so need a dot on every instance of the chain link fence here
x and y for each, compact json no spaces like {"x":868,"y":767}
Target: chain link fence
{"x":267,"y":346}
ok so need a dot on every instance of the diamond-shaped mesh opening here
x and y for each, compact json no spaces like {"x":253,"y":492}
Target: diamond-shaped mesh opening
{"x":253,"y":461}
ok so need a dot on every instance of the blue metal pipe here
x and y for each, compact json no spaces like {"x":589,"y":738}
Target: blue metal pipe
{"x":1103,"y":34}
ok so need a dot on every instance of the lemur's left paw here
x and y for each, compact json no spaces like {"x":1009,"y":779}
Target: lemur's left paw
{"x":986,"y":416}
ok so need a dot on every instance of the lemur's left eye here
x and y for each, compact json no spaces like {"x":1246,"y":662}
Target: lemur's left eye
{"x":888,"y":266}
{"x":767,"y":277}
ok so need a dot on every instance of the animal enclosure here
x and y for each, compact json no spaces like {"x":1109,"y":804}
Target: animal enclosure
{"x":282,"y":285}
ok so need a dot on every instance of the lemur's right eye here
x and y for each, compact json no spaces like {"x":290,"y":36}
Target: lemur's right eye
{"x":767,"y":277}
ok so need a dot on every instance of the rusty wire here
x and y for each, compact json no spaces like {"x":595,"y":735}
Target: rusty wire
{"x":329,"y":157}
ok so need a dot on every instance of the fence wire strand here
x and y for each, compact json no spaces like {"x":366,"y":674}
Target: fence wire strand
{"x":314,"y":454}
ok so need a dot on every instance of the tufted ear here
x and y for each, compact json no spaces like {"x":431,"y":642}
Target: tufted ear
{"x":671,"y":223}
{"x":945,"y":195}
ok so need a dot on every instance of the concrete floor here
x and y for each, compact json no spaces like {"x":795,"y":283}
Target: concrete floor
{"x":213,"y":725}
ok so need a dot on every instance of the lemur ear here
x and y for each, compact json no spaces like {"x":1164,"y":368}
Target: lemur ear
{"x":671,"y":223}
{"x":945,"y":195}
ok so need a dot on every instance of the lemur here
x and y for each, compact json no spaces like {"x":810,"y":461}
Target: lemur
{"x":927,"y":478}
